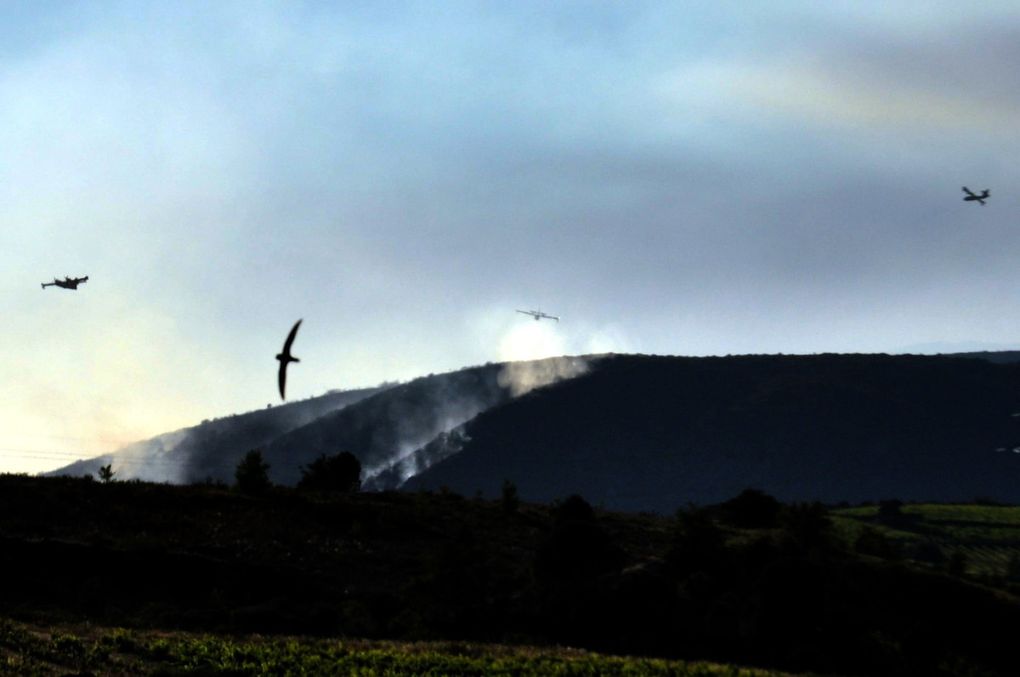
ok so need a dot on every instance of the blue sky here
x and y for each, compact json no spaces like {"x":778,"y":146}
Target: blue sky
{"x":673,"y":178}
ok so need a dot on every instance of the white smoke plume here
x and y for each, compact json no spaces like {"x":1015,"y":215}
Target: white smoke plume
{"x":523,"y":377}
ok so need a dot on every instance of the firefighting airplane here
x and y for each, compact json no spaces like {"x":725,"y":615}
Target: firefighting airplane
{"x":67,"y":282}
{"x":971,"y":197}
{"x":538,"y":315}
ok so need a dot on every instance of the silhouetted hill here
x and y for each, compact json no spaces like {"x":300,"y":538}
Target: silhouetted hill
{"x":384,"y":427}
{"x":655,"y":433}
{"x":212,"y":449}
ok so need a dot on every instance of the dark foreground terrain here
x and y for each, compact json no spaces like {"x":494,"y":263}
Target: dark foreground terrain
{"x":750,"y":582}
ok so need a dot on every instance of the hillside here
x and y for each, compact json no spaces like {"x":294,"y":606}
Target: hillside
{"x":212,"y":449}
{"x":655,"y":433}
{"x":385,"y":427}
{"x":386,"y":431}
{"x":80,"y":556}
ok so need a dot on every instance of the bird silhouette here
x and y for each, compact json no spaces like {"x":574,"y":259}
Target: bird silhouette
{"x":285,"y":358}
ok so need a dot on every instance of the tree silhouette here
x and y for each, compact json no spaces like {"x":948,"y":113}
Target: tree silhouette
{"x":106,"y":473}
{"x":341,"y":473}
{"x":252,"y":474}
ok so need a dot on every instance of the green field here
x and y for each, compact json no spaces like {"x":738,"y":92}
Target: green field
{"x":27,"y":650}
{"x":987,"y":535}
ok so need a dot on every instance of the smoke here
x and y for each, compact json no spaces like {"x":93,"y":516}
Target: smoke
{"x":523,"y":377}
{"x":532,"y":340}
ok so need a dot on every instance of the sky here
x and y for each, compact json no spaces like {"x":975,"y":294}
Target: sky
{"x":683,"y":178}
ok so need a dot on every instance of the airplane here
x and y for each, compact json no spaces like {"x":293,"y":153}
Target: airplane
{"x":67,"y":282}
{"x":972,"y":196}
{"x":285,"y":357}
{"x":538,"y":315}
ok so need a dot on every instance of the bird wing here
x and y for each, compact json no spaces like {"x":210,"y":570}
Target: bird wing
{"x":284,"y":358}
{"x":282,"y":378}
{"x":290,"y":338}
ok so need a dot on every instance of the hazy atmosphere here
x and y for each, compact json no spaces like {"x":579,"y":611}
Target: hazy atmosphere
{"x":671,"y":178}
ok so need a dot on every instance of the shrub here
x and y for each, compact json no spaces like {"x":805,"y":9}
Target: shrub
{"x":252,"y":474}
{"x":873,"y":542}
{"x":752,"y":509}
{"x":890,"y":509}
{"x":573,"y":509}
{"x":340,"y":473}
{"x":509,"y":499}
{"x":808,"y":525}
{"x":106,"y":473}
{"x":697,"y":544}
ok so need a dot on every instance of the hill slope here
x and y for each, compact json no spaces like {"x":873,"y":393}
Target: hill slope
{"x":654,"y":433}
{"x":212,"y":449}
{"x":387,"y":431}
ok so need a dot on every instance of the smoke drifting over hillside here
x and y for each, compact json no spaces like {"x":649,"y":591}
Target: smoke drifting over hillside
{"x":213,"y":448}
{"x":396,"y":432}
{"x":523,"y":377}
{"x":436,"y":432}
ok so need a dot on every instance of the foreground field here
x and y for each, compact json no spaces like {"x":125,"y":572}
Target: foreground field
{"x":206,"y":579}
{"x":28,"y":650}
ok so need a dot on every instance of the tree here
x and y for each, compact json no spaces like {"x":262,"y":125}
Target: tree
{"x":340,"y":473}
{"x":808,"y":526}
{"x":573,"y":509}
{"x":106,"y":473}
{"x":890,"y":510}
{"x":696,"y":544}
{"x":509,"y":499}
{"x":252,"y":474}
{"x":752,"y":509}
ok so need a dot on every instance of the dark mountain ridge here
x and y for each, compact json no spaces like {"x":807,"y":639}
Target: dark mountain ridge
{"x":654,"y":433}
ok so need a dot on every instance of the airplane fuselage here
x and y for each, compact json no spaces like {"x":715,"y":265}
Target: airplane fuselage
{"x":974,"y":197}
{"x":66,"y":283}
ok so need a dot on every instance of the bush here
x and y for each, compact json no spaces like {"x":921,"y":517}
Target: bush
{"x":890,"y":509}
{"x":808,"y":526}
{"x":106,"y":473}
{"x":752,"y":509}
{"x":573,"y":509}
{"x":873,"y":542}
{"x":252,"y":474}
{"x":509,"y":500}
{"x":340,"y":473}
{"x":697,"y":544}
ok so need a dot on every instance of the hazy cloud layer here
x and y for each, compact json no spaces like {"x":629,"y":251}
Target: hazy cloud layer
{"x":667,"y":177}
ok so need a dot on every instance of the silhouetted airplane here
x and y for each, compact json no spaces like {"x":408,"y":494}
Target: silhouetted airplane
{"x":285,"y":358}
{"x":538,"y":315}
{"x":971,"y":197}
{"x":67,"y":282}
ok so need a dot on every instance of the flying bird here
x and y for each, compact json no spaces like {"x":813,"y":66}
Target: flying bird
{"x":971,"y":197}
{"x":285,"y":358}
{"x":67,"y":282}
{"x":538,"y":315}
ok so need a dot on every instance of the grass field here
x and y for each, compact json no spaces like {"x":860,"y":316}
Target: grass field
{"x":987,"y":535}
{"x":26,"y":650}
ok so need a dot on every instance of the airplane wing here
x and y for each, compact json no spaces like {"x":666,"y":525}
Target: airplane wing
{"x":967,"y":191}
